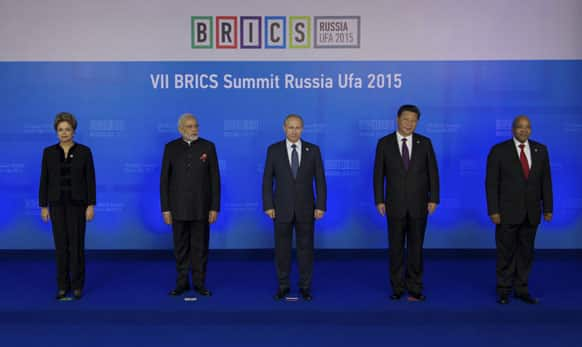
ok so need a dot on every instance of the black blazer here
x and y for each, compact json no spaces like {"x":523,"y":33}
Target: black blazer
{"x":289,"y":196}
{"x":404,"y":190}
{"x":509,"y":193}
{"x":190,"y":180}
{"x":82,"y":175}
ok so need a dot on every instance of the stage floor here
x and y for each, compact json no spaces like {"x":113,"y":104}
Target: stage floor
{"x":125,"y":303}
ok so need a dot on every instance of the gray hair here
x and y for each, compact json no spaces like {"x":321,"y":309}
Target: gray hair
{"x":184,"y":117}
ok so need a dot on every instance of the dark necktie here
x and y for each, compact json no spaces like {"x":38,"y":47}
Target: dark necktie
{"x":294,"y":160}
{"x":523,"y":159}
{"x":405,"y":155}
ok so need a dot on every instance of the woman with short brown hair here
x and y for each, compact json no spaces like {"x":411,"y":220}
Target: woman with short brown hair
{"x":67,"y":198}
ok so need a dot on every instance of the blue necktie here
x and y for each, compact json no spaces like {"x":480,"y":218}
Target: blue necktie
{"x":294,"y":161}
{"x":405,"y":155}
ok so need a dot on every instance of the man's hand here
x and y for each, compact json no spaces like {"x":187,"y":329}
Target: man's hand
{"x":548,"y":217}
{"x":431,"y":207}
{"x":318,"y":214}
{"x":212,"y":216}
{"x":167,"y":217}
{"x":90,"y":213}
{"x":495,"y":218}
{"x":270,"y":213}
{"x":44,"y":214}
{"x":381,"y":209}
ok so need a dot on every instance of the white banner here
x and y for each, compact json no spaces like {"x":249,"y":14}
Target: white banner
{"x":300,"y":30}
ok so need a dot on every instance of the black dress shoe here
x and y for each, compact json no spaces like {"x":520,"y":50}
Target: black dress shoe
{"x":177,"y":291}
{"x":61,"y":294}
{"x":503,"y":300}
{"x":306,"y":294}
{"x":528,"y":299}
{"x":395,"y":296}
{"x":203,"y":291}
{"x":281,"y":293}
{"x":77,"y":294}
{"x":416,"y":297}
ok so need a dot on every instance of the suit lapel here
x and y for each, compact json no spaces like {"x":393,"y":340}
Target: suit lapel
{"x":416,"y":142}
{"x":286,"y":157}
{"x":396,"y":149}
{"x":305,"y":152}
{"x":535,"y":157}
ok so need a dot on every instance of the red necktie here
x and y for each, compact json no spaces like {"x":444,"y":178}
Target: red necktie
{"x":523,"y":159}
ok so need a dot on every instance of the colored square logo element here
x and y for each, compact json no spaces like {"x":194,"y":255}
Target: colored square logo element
{"x":250,"y":32}
{"x":336,"y":32}
{"x":299,"y":32}
{"x":202,"y":31}
{"x":226,"y":32}
{"x":275,"y":32}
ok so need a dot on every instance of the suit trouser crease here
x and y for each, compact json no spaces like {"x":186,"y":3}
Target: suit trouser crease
{"x":304,"y":233}
{"x":69,"y":224}
{"x":515,"y":253}
{"x":410,"y":231}
{"x":191,"y":241}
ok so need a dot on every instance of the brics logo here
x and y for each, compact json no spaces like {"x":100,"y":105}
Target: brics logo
{"x":256,"y":32}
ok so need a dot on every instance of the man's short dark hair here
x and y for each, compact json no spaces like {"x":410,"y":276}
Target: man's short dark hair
{"x":410,"y":108}
{"x":518,"y":118}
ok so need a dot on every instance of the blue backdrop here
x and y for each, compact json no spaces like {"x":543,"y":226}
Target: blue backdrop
{"x":466,"y":106}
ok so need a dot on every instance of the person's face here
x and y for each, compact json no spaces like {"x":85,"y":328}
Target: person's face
{"x":65,"y":132}
{"x":522,"y":129}
{"x":189,"y":129}
{"x":293,"y":129}
{"x":407,"y":123}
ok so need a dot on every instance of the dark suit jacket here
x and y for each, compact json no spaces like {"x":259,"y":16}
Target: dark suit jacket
{"x":190,"y":180}
{"x":509,"y":193}
{"x":289,"y":196}
{"x":404,"y":190}
{"x":82,"y":175}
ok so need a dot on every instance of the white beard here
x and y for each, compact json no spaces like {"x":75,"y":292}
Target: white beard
{"x":190,"y":138}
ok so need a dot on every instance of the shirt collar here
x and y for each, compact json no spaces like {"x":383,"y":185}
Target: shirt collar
{"x":400,"y":137}
{"x":517,"y":143}
{"x":289,"y":143}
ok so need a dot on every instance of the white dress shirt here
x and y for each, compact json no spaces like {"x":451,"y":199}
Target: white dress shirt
{"x":526,"y":149}
{"x":290,"y":150}
{"x":408,"y":143}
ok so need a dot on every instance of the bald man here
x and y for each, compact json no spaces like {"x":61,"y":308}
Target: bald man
{"x":519,"y":191}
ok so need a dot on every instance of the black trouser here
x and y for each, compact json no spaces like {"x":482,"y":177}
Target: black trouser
{"x":412,"y":231}
{"x":304,"y":245}
{"x":191,"y":250}
{"x":515,"y":250}
{"x":68,"y":220}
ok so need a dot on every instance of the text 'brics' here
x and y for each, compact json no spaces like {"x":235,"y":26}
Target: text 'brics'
{"x":347,"y":80}
{"x":257,"y":32}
